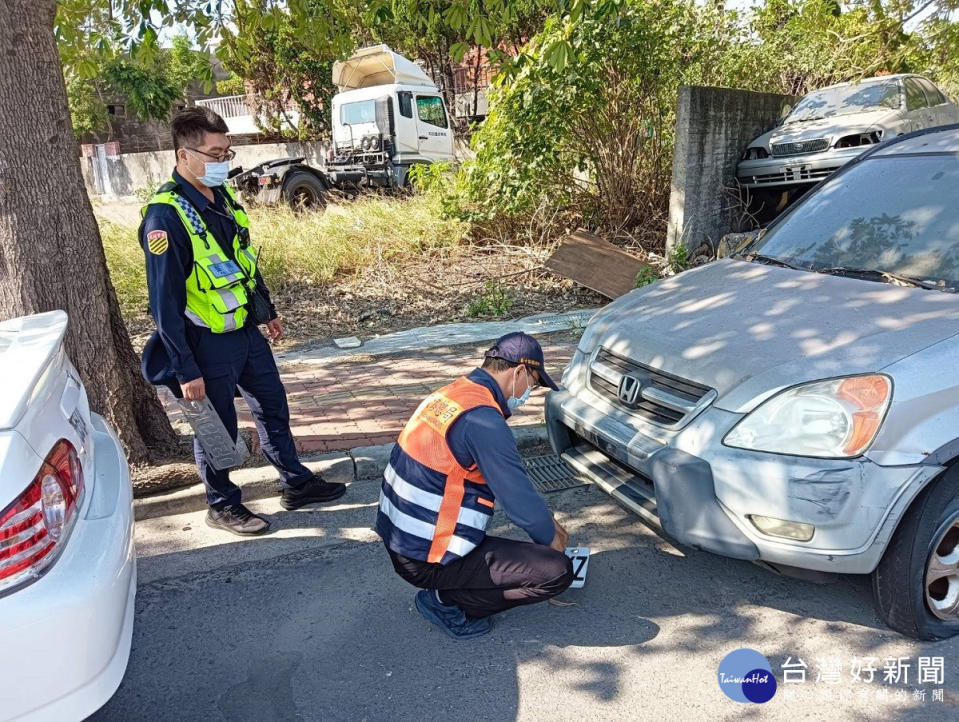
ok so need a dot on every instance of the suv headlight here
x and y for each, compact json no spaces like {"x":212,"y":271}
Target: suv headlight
{"x":831,"y":419}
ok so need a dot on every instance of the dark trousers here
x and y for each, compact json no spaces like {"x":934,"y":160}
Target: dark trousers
{"x":498,"y":574}
{"x":243,"y":360}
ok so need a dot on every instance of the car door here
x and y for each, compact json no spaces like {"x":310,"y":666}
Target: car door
{"x":919,"y":114}
{"x":433,"y":128}
{"x":938,"y":103}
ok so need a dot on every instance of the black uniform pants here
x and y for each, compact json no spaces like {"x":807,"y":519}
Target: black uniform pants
{"x":498,"y":574}
{"x":243,"y":360}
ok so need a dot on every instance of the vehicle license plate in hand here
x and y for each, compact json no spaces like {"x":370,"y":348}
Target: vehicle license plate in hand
{"x":580,"y":557}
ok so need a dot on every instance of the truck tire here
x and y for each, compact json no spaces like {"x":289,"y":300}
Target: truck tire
{"x":304,"y":190}
{"x":916,"y":585}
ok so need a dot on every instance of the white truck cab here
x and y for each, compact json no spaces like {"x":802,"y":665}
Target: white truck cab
{"x":388,"y":106}
{"x":388,"y":116}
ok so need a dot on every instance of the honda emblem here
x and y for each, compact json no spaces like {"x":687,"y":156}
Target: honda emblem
{"x":630,"y":388}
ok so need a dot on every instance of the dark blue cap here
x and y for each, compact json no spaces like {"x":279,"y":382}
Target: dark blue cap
{"x":521,"y":348}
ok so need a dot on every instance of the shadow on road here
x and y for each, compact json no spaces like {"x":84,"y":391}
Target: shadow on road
{"x":313,"y":632}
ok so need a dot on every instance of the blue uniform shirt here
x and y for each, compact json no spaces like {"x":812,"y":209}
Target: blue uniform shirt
{"x":168,"y":270}
{"x":481,"y":436}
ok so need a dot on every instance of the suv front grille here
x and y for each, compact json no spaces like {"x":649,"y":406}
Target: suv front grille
{"x":657,"y":396}
{"x":800,"y":147}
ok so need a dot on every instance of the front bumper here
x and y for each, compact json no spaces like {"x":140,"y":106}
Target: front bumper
{"x":66,"y":637}
{"x":796,"y":169}
{"x":701,"y":492}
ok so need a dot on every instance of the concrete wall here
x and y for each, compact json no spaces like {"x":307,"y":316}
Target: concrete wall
{"x":713,"y":126}
{"x":130,"y":174}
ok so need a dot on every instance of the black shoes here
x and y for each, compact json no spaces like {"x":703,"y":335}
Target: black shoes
{"x":237,"y":519}
{"x":313,"y":491}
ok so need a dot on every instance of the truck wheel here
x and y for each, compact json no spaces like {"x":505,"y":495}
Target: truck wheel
{"x":304,"y":190}
{"x":916,"y":585}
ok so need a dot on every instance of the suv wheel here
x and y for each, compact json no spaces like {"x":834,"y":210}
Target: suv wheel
{"x":916,"y":585}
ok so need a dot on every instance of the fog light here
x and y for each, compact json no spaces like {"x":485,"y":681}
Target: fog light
{"x":782,"y":528}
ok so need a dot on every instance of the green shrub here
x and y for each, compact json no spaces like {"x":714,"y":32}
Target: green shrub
{"x":494,"y":300}
{"x":645,"y":276}
{"x":677,"y":260}
{"x":585,"y":119}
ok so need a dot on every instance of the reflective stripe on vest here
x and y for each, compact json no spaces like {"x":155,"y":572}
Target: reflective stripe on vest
{"x":216,"y":289}
{"x":431,"y":508}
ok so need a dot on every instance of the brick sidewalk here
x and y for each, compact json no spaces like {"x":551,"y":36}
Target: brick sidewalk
{"x":363,"y":400}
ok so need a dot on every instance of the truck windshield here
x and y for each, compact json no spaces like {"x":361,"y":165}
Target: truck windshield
{"x":363,"y":111}
{"x":897,"y":215}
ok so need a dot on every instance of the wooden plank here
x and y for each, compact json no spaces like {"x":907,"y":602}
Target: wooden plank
{"x":595,"y":263}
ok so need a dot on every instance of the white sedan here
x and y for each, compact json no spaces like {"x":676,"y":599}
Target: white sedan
{"x":67,"y":563}
{"x":831,"y":126}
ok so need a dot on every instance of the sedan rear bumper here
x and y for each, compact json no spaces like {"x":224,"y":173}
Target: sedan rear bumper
{"x":66,"y":637}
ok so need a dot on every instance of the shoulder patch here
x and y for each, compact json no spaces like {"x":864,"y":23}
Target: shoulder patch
{"x":157,"y":242}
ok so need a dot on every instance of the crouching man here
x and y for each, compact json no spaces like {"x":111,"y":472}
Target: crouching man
{"x":454,"y":460}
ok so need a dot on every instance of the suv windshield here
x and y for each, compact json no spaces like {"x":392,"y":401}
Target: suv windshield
{"x":846,"y":100}
{"x":895,"y":215}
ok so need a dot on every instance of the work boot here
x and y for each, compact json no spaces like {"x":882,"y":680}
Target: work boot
{"x":237,"y":519}
{"x":316,"y":490}
{"x":450,"y":618}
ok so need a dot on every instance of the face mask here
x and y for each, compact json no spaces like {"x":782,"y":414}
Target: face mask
{"x":215,"y":174}
{"x":514,"y":403}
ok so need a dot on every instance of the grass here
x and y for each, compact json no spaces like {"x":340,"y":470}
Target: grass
{"x":308,"y":248}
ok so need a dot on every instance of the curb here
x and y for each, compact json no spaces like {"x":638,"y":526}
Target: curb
{"x":362,"y":463}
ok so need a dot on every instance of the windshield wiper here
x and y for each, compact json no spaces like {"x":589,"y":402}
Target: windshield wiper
{"x":887,"y":276}
{"x":769,"y":261}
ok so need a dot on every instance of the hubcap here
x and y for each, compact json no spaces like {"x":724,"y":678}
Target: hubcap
{"x":942,"y":574}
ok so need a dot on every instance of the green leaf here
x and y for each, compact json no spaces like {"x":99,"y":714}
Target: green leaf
{"x":557,"y":55}
{"x":458,"y":50}
{"x":457,"y":16}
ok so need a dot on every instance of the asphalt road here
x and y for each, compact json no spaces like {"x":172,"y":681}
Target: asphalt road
{"x":311,"y":623}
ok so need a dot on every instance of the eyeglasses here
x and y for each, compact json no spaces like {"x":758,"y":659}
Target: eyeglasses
{"x":229,"y":155}
{"x":534,"y":374}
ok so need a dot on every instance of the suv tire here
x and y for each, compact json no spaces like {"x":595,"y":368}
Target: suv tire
{"x":928,"y":532}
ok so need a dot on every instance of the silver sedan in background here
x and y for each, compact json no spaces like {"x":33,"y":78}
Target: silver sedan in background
{"x":831,"y":126}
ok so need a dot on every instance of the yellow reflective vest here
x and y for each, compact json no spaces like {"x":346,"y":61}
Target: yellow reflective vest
{"x":217,"y":287}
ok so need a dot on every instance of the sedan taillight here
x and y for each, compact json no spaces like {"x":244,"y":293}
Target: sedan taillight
{"x":36,"y":524}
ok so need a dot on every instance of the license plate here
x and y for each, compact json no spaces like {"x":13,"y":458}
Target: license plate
{"x":580,"y":557}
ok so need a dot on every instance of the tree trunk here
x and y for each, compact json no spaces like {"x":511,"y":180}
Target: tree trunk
{"x":51,"y":255}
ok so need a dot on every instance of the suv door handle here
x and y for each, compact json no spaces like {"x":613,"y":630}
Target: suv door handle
{"x":424,"y":137}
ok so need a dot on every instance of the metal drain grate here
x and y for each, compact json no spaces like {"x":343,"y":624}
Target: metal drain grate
{"x":550,"y":473}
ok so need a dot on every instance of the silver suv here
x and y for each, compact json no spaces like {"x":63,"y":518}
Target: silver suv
{"x":798,"y":405}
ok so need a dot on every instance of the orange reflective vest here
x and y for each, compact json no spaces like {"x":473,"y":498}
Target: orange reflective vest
{"x":431,"y":508}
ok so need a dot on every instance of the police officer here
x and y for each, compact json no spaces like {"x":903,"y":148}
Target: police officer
{"x":206,"y":297}
{"x":454,"y":461}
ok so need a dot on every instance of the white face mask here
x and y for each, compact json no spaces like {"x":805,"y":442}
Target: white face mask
{"x":514,"y":403}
